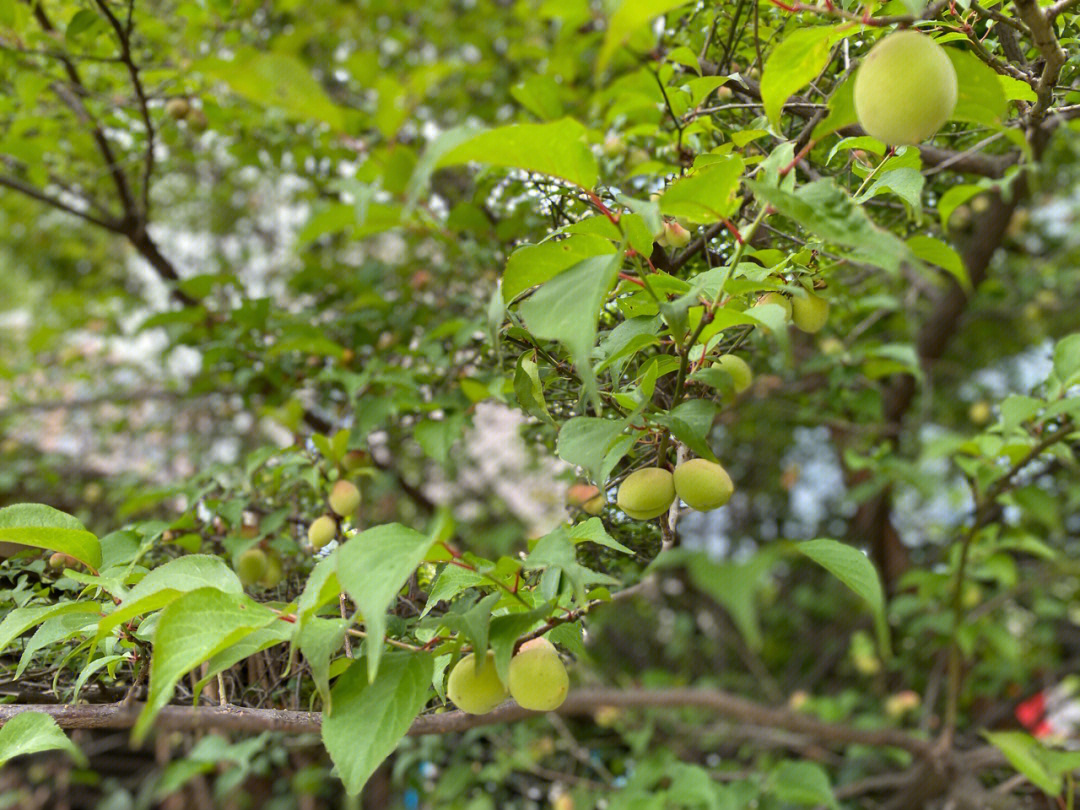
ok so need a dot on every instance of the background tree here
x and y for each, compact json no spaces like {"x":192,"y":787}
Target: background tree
{"x":459,"y":256}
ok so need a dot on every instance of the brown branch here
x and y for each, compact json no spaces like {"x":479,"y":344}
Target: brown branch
{"x":124,"y":40}
{"x":1061,"y":7}
{"x":83,"y":112}
{"x":54,"y":202}
{"x":579,"y":702}
{"x":1042,"y":34}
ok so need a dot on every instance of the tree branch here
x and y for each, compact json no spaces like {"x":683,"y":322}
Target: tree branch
{"x":54,"y":202}
{"x":579,"y":702}
{"x":1042,"y":34}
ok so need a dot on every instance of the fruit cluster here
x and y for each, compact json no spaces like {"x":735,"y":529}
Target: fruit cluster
{"x":537,"y":680}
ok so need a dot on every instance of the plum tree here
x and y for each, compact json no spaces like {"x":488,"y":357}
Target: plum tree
{"x":646,"y":493}
{"x":251,"y":566}
{"x":274,"y":573}
{"x":809,"y":312}
{"x":737,"y":369}
{"x":476,"y":689}
{"x":702,"y":484}
{"x":538,"y":679}
{"x":905,"y":88}
{"x":344,"y":498}
{"x":321,"y":531}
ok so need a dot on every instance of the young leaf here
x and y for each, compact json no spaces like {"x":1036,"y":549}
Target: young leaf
{"x":794,"y":63}
{"x":852,"y":567}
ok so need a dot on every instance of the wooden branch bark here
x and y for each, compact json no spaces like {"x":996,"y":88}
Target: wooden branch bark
{"x":579,"y":702}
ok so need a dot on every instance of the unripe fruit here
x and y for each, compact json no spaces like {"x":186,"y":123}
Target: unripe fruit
{"x":587,"y":498}
{"x":896,"y":706}
{"x":735,"y":366}
{"x":538,"y":679}
{"x":476,"y":691}
{"x":345,"y":498}
{"x":704,"y":485}
{"x":809,"y":312}
{"x":321,"y":531}
{"x":197,"y":120}
{"x":980,"y":412}
{"x":59,"y":561}
{"x":177,"y":108}
{"x":614,"y":146}
{"x":674,"y":235}
{"x":250,"y":566}
{"x":905,"y":89}
{"x":274,"y":571}
{"x":646,"y":493}
{"x":777,"y":299}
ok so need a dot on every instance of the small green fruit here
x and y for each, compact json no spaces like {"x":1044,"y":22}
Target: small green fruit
{"x":614,"y":146}
{"x":250,"y":566}
{"x":538,"y":679}
{"x":177,"y":108}
{"x":777,"y":299}
{"x":735,"y":366}
{"x":345,"y":498}
{"x":674,"y":235}
{"x":809,"y":312}
{"x":476,"y":690}
{"x":274,"y":571}
{"x":197,"y":120}
{"x":321,"y":531}
{"x":905,"y":89}
{"x":646,"y":493}
{"x":980,"y":412}
{"x":702,"y":484}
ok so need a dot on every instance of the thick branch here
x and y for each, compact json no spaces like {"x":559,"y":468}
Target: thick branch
{"x":1042,"y":34}
{"x":579,"y":702}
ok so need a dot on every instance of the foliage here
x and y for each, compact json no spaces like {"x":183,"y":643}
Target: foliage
{"x":369,"y":232}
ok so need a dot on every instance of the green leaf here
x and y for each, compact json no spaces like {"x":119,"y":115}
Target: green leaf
{"x":276,"y":80}
{"x":436,"y":437}
{"x":557,"y":551}
{"x":18,"y":621}
{"x":707,"y":195}
{"x":370,"y":716}
{"x":166,"y":583}
{"x":372,"y":567}
{"x":1067,"y":359}
{"x":566,"y":309}
{"x":193,"y":628}
{"x":794,"y":63}
{"x":852,"y":567}
{"x":934,"y":251}
{"x":841,"y":110}
{"x":803,"y":783}
{"x":531,"y":265}
{"x":828,"y":212}
{"x":557,"y":149}
{"x":906,"y":183}
{"x":540,"y":95}
{"x":1025,"y":754}
{"x":630,"y":16}
{"x":585,"y":440}
{"x":319,"y":639}
{"x":40,"y":526}
{"x":593,"y":531}
{"x":980,"y":97}
{"x":32,"y":732}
